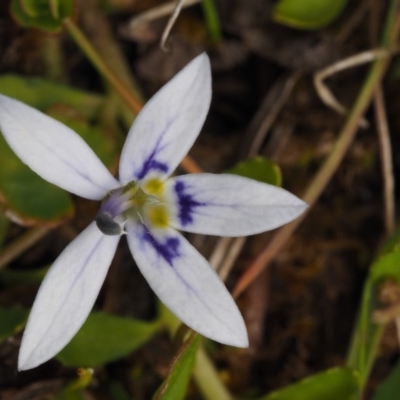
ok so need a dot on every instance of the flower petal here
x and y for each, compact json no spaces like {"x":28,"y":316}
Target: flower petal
{"x":169,"y":123}
{"x":228,"y":205}
{"x":186,"y":283}
{"x":54,"y":151}
{"x":66,"y":296}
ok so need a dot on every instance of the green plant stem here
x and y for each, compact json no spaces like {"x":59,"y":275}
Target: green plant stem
{"x":335,"y":157}
{"x":91,"y":53}
{"x":212,"y":20}
{"x":54,"y":59}
{"x":207,"y":379}
{"x":204,"y":372}
{"x":366,"y":336}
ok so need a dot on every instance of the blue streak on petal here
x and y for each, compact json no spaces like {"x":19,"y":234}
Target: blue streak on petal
{"x":187,"y":203}
{"x":151,"y":163}
{"x":169,"y":250}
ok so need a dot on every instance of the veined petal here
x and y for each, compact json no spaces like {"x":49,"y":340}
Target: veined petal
{"x":169,"y":123}
{"x":54,"y":151}
{"x":228,"y":205}
{"x":186,"y":283}
{"x":66,"y":296}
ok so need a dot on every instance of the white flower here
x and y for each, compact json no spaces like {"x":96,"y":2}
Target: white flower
{"x":147,"y":206}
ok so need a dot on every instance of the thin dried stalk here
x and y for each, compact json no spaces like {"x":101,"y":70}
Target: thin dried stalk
{"x":170,"y":24}
{"x":271,"y":117}
{"x":157,"y":12}
{"x":233,"y":254}
{"x":386,"y":159}
{"x":323,"y":91}
{"x":227,"y":250}
{"x":219,"y":252}
{"x":18,"y":246}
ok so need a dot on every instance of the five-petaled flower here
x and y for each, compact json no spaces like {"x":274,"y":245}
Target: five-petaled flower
{"x":146,"y":205}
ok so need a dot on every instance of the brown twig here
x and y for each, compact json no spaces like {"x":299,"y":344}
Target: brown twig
{"x":355,"y":19}
{"x":105,"y":70}
{"x":22,"y":243}
{"x":275,"y":107}
{"x":191,"y":166}
{"x":98,"y":28}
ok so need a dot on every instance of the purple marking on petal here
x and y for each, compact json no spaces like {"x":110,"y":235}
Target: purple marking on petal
{"x":187,"y":204}
{"x":151,"y":163}
{"x":167,"y":250}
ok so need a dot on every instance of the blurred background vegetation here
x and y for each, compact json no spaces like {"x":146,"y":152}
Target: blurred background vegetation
{"x":305,"y":96}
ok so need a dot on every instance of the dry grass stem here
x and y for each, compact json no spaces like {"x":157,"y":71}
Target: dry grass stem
{"x":355,"y":19}
{"x":157,"y":12}
{"x":234,"y":251}
{"x":227,"y":250}
{"x":278,"y":100}
{"x":218,"y":254}
{"x":323,"y":91}
{"x":170,"y":24}
{"x":18,"y":246}
{"x":386,"y":160}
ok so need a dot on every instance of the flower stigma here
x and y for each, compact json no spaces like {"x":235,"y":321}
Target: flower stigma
{"x":132,"y":202}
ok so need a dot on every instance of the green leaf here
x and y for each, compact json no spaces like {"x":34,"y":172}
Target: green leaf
{"x":367,"y":334}
{"x":259,"y":168}
{"x":104,"y":338}
{"x":29,"y":199}
{"x":43,"y":94}
{"x":47,"y":15}
{"x":175,"y":385}
{"x":389,"y":389}
{"x":4,"y":225}
{"x":333,"y":384}
{"x":307,"y":14}
{"x":33,"y":8}
{"x":387,"y":264}
{"x":12,"y":320}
